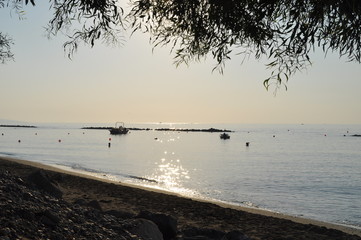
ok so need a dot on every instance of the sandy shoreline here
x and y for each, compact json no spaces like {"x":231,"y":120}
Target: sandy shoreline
{"x":255,"y":223}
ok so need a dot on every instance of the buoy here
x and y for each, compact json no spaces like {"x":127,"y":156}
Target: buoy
{"x":59,"y":140}
{"x":110,"y":139}
{"x":19,"y":141}
{"x":247,"y":144}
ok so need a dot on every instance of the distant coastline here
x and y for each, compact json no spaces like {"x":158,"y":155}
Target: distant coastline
{"x":18,"y":126}
{"x":164,"y":129}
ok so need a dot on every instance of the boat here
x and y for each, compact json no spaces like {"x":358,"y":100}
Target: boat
{"x":224,"y":136}
{"x":118,"y":129}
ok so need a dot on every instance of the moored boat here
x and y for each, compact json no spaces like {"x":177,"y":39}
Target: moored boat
{"x":224,"y":136}
{"x":119,"y":129}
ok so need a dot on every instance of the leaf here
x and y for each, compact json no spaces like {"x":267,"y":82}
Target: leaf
{"x":266,"y":83}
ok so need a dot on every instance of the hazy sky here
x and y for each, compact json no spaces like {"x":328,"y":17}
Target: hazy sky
{"x":132,"y":84}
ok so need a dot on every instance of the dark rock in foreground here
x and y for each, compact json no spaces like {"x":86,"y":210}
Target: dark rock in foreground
{"x":43,"y":182}
{"x":27,"y":213}
{"x":166,"y":224}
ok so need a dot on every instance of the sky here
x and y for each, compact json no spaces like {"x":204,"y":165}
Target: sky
{"x":134,"y":84}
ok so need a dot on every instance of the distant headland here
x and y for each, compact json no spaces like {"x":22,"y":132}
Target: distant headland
{"x":18,"y":126}
{"x":165,"y":129}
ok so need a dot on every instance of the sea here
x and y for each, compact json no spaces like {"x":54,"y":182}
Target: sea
{"x":302,"y":170}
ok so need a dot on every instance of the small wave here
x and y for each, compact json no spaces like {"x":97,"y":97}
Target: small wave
{"x":79,"y":168}
{"x":7,"y":154}
{"x":82,"y":168}
{"x":76,"y":168}
{"x":249,"y":204}
{"x":142,"y":179}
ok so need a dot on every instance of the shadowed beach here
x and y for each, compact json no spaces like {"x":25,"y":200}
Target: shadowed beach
{"x":91,"y":208}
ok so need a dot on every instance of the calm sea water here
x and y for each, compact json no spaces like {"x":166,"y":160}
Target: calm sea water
{"x":313,"y":171}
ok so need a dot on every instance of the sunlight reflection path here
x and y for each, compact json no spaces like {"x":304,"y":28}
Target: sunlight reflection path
{"x":168,"y":171}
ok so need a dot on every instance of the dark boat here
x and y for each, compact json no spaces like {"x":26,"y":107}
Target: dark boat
{"x":117,"y":130}
{"x":224,"y":136}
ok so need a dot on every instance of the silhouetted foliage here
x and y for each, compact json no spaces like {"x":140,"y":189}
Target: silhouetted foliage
{"x":283,"y":31}
{"x":81,"y":20}
{"x":97,"y":19}
{"x":5,"y":43}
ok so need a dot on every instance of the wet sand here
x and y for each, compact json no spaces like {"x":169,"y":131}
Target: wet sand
{"x":190,"y":213}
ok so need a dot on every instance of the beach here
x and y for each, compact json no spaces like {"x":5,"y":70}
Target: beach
{"x":195,"y":219}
